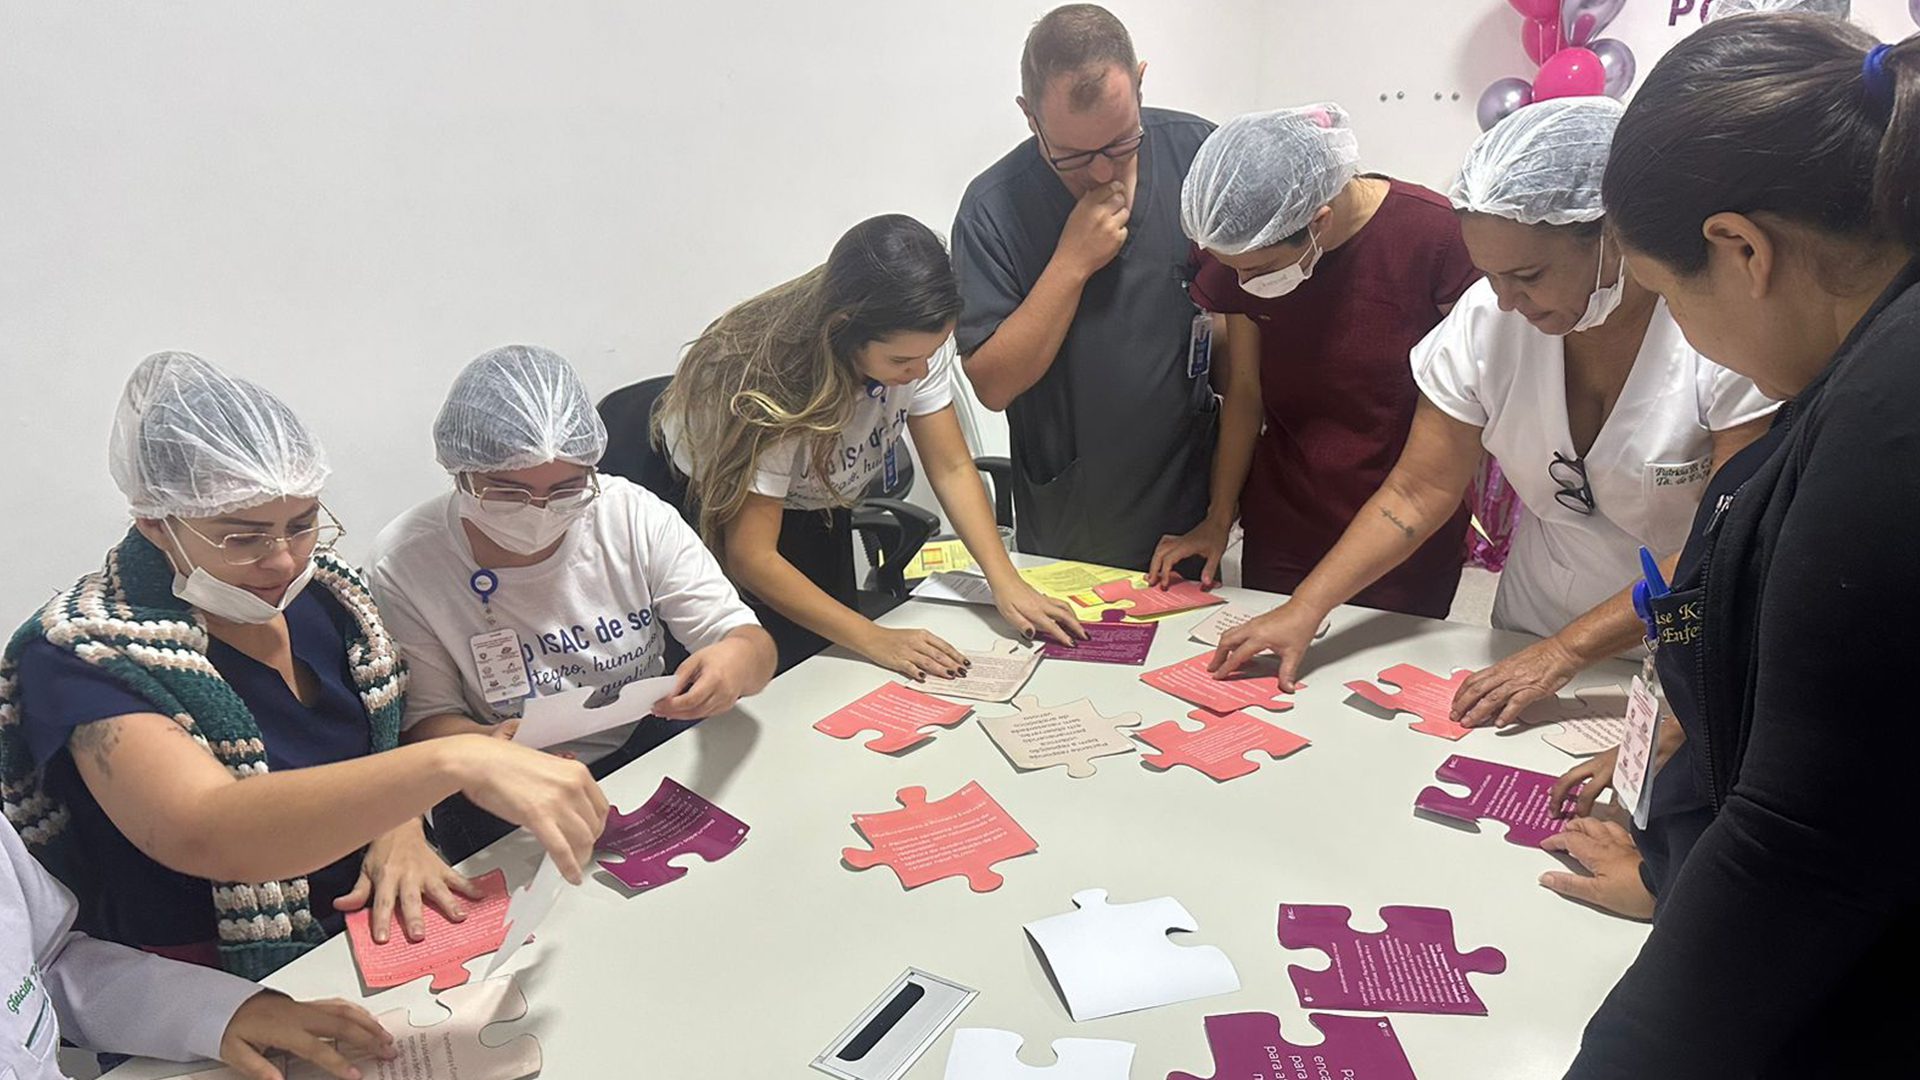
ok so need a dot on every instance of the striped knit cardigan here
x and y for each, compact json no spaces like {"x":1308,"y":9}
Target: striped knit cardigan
{"x":126,"y":621}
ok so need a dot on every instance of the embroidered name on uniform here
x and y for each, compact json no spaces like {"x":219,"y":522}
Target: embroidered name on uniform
{"x":19,"y":997}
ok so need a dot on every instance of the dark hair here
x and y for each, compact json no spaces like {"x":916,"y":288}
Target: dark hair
{"x":1083,"y":40}
{"x":1768,"y":114}
{"x":888,"y":274}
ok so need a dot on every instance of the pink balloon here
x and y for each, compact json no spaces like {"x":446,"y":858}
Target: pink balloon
{"x":1570,"y":73}
{"x":1542,"y":10}
{"x":1541,"y":38}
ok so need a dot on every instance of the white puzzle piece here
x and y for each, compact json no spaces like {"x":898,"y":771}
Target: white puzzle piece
{"x":1071,"y":735}
{"x":992,"y":1054}
{"x":1213,"y":627}
{"x":445,"y":1049}
{"x":563,"y":717}
{"x":1116,"y":958}
{"x":526,"y":908}
{"x":1593,"y":720}
{"x":996,"y":674}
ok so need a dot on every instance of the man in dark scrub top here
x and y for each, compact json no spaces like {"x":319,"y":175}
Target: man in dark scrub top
{"x":1076,"y":322}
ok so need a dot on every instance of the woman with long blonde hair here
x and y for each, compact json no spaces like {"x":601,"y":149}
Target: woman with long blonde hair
{"x":793,"y":402}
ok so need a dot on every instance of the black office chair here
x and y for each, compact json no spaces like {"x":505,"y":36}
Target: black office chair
{"x":891,"y":530}
{"x":999,"y":474}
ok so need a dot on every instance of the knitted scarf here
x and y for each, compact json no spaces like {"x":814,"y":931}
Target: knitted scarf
{"x":126,"y":621}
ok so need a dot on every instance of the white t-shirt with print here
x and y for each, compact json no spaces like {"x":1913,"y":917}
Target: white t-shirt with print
{"x":1647,"y":466}
{"x":590,"y":614}
{"x":785,"y":470}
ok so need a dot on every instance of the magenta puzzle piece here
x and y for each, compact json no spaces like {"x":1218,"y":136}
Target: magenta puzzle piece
{"x":895,"y":714}
{"x":1256,"y":683}
{"x":1151,"y":601}
{"x":1422,"y":693}
{"x":961,"y":835}
{"x":1411,"y":966}
{"x":1220,"y":748}
{"x":674,"y":822}
{"x":1248,"y":1046}
{"x":1109,"y":641}
{"x":1516,"y":797}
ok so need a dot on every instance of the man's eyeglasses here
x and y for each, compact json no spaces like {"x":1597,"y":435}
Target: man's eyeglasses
{"x":1575,"y":493}
{"x":248,"y":548}
{"x":1118,"y":150}
{"x":513,"y":499}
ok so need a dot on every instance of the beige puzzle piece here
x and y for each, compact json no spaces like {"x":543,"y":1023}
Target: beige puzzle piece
{"x":1071,"y":735}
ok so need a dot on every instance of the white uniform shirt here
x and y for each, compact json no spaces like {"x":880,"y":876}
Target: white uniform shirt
{"x":101,"y":996}
{"x":1647,"y":466}
{"x":588,"y":615}
{"x":785,"y":470}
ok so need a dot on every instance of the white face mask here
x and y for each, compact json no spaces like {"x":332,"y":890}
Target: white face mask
{"x":1605,"y":298}
{"x":1277,"y":283}
{"x":525,"y":530}
{"x":228,"y":601}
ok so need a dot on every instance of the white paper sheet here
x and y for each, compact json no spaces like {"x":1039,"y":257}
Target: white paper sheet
{"x":957,"y":585}
{"x":526,"y":909}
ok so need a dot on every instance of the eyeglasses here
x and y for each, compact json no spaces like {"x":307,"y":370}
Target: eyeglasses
{"x":508,"y":500}
{"x":1118,"y":150}
{"x":248,"y":548}
{"x":1575,"y":493}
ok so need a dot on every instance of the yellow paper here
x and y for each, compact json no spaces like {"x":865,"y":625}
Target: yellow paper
{"x":939,"y":555}
{"x":1074,"y":582}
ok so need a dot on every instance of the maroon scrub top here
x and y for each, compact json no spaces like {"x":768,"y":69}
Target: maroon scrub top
{"x":1338,"y":395}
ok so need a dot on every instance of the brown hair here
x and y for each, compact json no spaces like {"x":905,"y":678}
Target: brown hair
{"x":1771,"y":114}
{"x":1082,"y":40}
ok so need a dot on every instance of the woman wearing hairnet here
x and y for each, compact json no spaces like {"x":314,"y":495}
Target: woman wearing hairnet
{"x":576,"y":575}
{"x":792,"y":403}
{"x":223,"y":641}
{"x":1326,"y":278}
{"x":1575,"y":377}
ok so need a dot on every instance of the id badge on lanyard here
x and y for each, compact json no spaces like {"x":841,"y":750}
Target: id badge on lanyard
{"x":892,"y":466}
{"x":497,"y":657}
{"x":1200,"y":346}
{"x":1635,"y":764}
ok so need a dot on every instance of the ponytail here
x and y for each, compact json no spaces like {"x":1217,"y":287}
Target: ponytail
{"x":1784,"y":114}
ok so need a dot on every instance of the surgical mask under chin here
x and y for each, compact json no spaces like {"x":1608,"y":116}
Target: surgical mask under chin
{"x":228,"y":601}
{"x":1605,"y":298}
{"x":526,"y":530}
{"x":1277,"y":283}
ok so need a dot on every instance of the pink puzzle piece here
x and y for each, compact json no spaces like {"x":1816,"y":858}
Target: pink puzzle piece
{"x":1516,"y":797}
{"x":1248,"y":1046}
{"x":961,"y":835}
{"x":1220,"y":748}
{"x":675,"y":821}
{"x":897,"y":714}
{"x":1257,"y":683}
{"x":1151,"y":601}
{"x":1411,"y":966}
{"x":445,"y":948}
{"x":1422,"y":693}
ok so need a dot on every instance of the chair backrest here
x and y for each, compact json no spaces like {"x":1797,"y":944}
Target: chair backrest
{"x":628,"y":414}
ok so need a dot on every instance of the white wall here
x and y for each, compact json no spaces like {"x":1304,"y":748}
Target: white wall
{"x":347,"y":200}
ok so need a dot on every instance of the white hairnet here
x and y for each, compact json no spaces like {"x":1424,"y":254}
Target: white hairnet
{"x":190,"y":440}
{"x":1260,"y":178}
{"x":1720,"y":9}
{"x":1541,"y":165}
{"x":515,"y":407}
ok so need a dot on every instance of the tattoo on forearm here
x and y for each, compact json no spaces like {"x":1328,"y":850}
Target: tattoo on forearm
{"x":97,"y":740}
{"x":1401,"y":525}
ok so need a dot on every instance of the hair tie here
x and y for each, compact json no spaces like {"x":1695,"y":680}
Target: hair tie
{"x":1877,"y":83}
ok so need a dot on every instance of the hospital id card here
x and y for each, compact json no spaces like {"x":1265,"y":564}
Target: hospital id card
{"x":1200,"y":346}
{"x":1633,"y":768}
{"x":501,"y":668}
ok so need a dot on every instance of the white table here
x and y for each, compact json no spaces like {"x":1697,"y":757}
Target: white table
{"x":748,"y":967}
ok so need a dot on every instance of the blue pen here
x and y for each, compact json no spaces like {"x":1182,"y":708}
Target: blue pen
{"x":1651,"y":587}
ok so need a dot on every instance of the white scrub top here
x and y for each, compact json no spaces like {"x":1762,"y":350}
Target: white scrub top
{"x":1647,"y":467}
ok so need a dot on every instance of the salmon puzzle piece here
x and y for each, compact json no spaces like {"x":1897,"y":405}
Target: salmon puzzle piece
{"x":898,"y":716}
{"x":1151,"y":601}
{"x":1256,"y":683}
{"x":442,"y":951}
{"x":1220,"y":747}
{"x":962,"y":835}
{"x":1422,"y":693}
{"x":1249,"y":1046}
{"x":1518,"y":798}
{"x":1411,"y":966}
